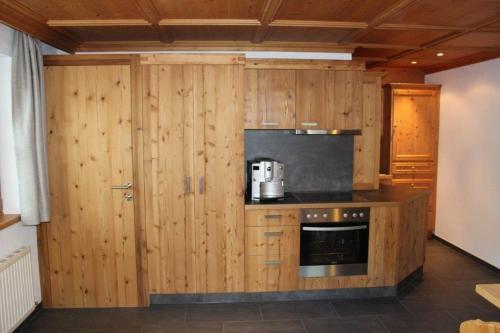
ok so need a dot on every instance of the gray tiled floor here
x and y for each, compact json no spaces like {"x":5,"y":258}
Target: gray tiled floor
{"x":439,"y":303}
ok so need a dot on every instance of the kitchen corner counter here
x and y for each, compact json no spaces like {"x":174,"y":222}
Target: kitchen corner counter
{"x":385,"y":196}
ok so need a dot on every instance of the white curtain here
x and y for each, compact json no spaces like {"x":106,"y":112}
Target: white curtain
{"x":28,"y":116}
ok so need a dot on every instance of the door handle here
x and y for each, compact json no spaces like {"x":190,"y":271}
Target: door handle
{"x":201,"y":185}
{"x":272,"y":262}
{"x":361,"y":227}
{"x":126,"y":186}
{"x":187,"y":185}
{"x":272,"y":216}
{"x":273,"y":233}
{"x":309,"y":124}
{"x":269,"y":124}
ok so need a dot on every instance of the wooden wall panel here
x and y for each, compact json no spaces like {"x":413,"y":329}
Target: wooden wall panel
{"x":367,"y":146}
{"x":91,"y":236}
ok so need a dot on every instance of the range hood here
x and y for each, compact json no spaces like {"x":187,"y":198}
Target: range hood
{"x":327,"y":131}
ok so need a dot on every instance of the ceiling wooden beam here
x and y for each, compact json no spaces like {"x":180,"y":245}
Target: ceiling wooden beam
{"x":318,"y":24}
{"x":394,"y":26}
{"x":212,"y":46}
{"x":24,"y":19}
{"x":440,"y":40}
{"x":97,"y":23}
{"x":271,"y":8}
{"x":152,"y":15}
{"x":209,"y":22}
{"x":385,"y":46}
{"x":377,"y":20}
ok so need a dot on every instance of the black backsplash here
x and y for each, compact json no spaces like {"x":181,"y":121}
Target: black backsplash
{"x":312,"y":162}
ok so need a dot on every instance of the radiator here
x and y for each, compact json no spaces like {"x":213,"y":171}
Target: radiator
{"x":16,"y":289}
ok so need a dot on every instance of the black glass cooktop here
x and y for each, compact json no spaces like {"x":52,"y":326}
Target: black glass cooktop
{"x":310,"y":197}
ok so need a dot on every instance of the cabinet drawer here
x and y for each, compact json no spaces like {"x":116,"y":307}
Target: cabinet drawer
{"x":272,"y":240}
{"x":413,"y":168}
{"x":415,"y":183}
{"x":272,"y":273}
{"x":271,"y":217}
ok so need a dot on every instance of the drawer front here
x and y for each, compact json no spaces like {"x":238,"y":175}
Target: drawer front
{"x":415,"y":183}
{"x":413,"y":168}
{"x":271,"y":217}
{"x":272,"y":240}
{"x":272,"y":273}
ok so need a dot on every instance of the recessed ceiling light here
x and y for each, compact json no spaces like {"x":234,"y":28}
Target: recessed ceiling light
{"x":440,"y":54}
{"x":414,"y":62}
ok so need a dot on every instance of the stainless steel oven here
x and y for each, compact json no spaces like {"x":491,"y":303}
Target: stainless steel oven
{"x":334,"y":242}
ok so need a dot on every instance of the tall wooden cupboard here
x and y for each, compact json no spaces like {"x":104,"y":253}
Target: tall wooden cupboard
{"x":194,"y":182}
{"x":410,"y":138}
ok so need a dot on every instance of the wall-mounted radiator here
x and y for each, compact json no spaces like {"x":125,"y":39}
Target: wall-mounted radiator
{"x":16,"y":289}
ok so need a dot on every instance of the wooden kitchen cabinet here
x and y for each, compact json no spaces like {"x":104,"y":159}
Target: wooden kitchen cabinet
{"x":269,"y":99}
{"x":329,"y":99}
{"x":410,"y":138}
{"x":272,"y":250}
{"x":194,"y":186}
{"x":367,"y":145}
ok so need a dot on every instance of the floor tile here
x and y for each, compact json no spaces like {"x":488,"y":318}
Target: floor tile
{"x":344,"y":325}
{"x":492,"y":314}
{"x":436,"y":303}
{"x":278,"y":326}
{"x":363,"y":307}
{"x":296,"y":310}
{"x":421,"y":322}
{"x":223,"y":312}
{"x":190,"y":327}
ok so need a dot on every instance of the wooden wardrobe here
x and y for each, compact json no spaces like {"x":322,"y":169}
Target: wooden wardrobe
{"x":409,"y":147}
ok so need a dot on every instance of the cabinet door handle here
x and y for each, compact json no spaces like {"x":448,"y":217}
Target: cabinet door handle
{"x":187,"y":185}
{"x":269,"y":124}
{"x":309,"y":124}
{"x":272,"y":216}
{"x":273,"y":233}
{"x":201,"y":185}
{"x":272,"y":262}
{"x":126,"y":186}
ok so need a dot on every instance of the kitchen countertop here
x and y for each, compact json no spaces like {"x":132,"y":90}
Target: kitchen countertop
{"x":385,"y":196}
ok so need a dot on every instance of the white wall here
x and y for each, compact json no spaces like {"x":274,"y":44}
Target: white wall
{"x":17,"y":235}
{"x":468,"y":187}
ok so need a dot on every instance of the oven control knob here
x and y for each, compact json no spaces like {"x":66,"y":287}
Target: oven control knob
{"x":308,"y":216}
{"x":354,"y":215}
{"x":346,"y":215}
{"x":325,"y":215}
{"x":361,"y":214}
{"x":315,"y":216}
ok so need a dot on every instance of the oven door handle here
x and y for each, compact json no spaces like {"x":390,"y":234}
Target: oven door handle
{"x":360,"y":227}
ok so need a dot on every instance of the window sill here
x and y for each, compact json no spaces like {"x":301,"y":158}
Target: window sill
{"x":6,"y":220}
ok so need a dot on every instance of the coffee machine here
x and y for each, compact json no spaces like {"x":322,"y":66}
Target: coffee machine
{"x":265,"y":179}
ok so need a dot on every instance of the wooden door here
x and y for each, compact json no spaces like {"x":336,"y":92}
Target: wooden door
{"x":168,"y":111}
{"x":415,"y":121}
{"x":88,"y":248}
{"x":269,"y":99}
{"x":219,"y":179}
{"x":311,"y":99}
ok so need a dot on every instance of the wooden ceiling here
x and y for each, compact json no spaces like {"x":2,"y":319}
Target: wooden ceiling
{"x":385,"y":33}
